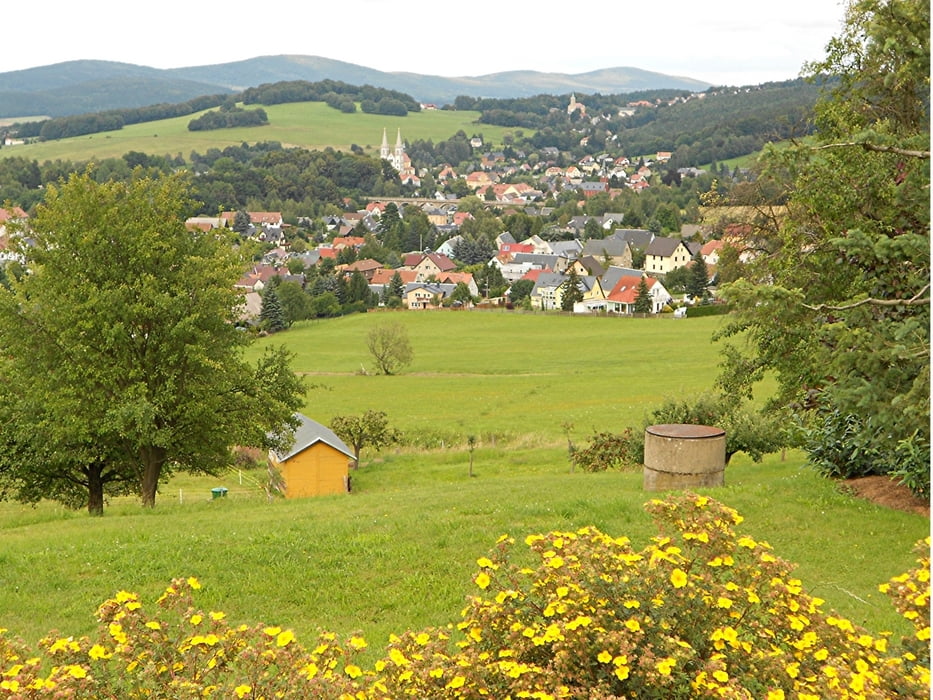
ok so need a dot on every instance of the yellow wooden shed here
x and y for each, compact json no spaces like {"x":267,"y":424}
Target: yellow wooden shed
{"x":317,"y":463}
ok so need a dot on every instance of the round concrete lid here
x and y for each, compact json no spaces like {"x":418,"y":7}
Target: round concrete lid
{"x":685,"y":431}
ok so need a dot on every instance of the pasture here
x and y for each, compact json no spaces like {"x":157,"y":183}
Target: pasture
{"x":398,"y":553}
{"x":311,"y":125}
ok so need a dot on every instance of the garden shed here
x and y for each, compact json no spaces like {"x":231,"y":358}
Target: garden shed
{"x":317,"y":463}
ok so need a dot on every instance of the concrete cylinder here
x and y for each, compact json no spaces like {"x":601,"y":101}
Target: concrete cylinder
{"x":680,"y":456}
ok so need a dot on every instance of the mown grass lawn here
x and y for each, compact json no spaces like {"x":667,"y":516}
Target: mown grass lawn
{"x":398,"y":553}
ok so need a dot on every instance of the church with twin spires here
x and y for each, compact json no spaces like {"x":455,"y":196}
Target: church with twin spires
{"x":399,"y":160}
{"x":396,"y":157}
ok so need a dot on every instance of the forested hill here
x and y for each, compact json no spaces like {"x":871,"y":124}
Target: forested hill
{"x":78,"y":87}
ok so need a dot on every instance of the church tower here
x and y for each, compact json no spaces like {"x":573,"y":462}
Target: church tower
{"x":395,"y":156}
{"x":384,"y":150}
{"x":399,"y":160}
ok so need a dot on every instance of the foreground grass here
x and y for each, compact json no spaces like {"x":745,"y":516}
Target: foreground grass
{"x":307,"y":124}
{"x":398,"y":553}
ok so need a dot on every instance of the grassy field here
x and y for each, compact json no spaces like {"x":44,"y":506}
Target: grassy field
{"x":398,"y":553}
{"x":307,"y":124}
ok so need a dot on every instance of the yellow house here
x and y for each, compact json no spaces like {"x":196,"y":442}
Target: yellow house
{"x":316,"y":464}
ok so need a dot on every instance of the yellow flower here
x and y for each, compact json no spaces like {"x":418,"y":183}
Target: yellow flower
{"x":633,"y":625}
{"x":723,"y":603}
{"x":76,"y":671}
{"x":678,"y":578}
{"x":196,"y":619}
{"x":721,"y":676}
{"x":154,"y":625}
{"x":457,"y":682}
{"x":665,"y":666}
{"x":398,"y":658}
{"x":97,"y":652}
{"x":353,"y":670}
{"x":194,"y":583}
{"x":604,"y":657}
{"x":360,"y":643}
{"x":775,"y":694}
{"x":242,"y":690}
{"x":217,"y":616}
{"x":482,"y":580}
{"x":486,"y":563}
{"x":283,"y":639}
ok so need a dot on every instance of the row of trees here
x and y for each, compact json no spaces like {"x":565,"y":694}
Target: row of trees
{"x":228,"y":117}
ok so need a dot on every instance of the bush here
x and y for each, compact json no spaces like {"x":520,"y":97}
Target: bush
{"x":700,"y":612}
{"x":609,"y":451}
{"x":754,"y":433}
{"x":841,"y":446}
{"x":708,"y":310}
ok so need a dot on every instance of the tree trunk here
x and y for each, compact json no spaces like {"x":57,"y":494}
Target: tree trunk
{"x":95,"y":490}
{"x":152,"y":459}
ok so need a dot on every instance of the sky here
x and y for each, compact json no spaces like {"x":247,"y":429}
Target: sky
{"x":722,"y":42}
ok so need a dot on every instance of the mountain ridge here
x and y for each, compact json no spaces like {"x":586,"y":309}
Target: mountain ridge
{"x":75,"y":87}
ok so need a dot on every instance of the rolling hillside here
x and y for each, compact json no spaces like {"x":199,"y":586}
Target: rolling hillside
{"x":77,"y":87}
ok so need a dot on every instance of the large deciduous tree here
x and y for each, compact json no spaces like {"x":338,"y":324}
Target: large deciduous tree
{"x":840,"y":309}
{"x":121,"y":361}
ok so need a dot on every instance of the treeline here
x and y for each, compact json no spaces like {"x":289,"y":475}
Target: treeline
{"x":339,"y":95}
{"x":334,"y":93}
{"x":229,"y":116}
{"x":111,"y":120}
{"x":698,"y":129}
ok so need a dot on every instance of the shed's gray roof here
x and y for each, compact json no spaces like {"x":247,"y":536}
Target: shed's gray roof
{"x":310,"y":432}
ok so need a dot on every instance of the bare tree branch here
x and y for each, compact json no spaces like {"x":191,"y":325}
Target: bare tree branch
{"x":915,"y":300}
{"x":876,"y":148}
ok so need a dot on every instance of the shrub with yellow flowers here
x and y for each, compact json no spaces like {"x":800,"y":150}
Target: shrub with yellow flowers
{"x":702,"y":611}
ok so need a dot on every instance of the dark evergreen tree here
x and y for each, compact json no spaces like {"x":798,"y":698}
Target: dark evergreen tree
{"x":699,"y":278}
{"x":272,"y":317}
{"x":643,"y":298}
{"x":571,"y":292}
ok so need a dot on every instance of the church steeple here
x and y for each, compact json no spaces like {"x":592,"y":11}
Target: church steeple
{"x":384,"y":150}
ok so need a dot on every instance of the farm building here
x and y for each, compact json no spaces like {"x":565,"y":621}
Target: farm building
{"x":316,"y":464}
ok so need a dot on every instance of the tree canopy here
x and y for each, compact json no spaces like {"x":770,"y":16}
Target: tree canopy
{"x":122,"y":363}
{"x":840,"y":309}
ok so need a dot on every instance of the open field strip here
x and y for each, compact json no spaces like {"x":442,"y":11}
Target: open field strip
{"x":398,"y":553}
{"x":307,"y":124}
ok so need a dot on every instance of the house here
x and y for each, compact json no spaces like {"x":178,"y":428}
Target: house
{"x":710,"y":251}
{"x":428,"y":265}
{"x":591,"y":189}
{"x":613,"y":250}
{"x":665,"y":254}
{"x":625,"y":292}
{"x":547,"y":293}
{"x":317,"y":463}
{"x":366,"y":267}
{"x":426,"y":295}
{"x":16,"y":214}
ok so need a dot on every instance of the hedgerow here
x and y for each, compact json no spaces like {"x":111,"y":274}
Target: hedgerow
{"x":700,"y":612}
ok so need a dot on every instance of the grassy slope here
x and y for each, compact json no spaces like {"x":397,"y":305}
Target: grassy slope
{"x":308,"y":124}
{"x":399,"y":552}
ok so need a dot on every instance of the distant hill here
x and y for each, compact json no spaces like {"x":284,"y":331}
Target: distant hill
{"x":77,"y":87}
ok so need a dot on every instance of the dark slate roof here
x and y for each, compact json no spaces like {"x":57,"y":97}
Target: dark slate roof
{"x":636,"y":237}
{"x":614,"y":274}
{"x":310,"y":432}
{"x":663,"y":247}
{"x":606,"y":246}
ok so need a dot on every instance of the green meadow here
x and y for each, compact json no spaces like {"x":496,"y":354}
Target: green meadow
{"x":307,"y":124}
{"x":398,"y":552}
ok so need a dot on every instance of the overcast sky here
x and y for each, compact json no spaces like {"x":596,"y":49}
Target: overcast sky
{"x":732,"y":42}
